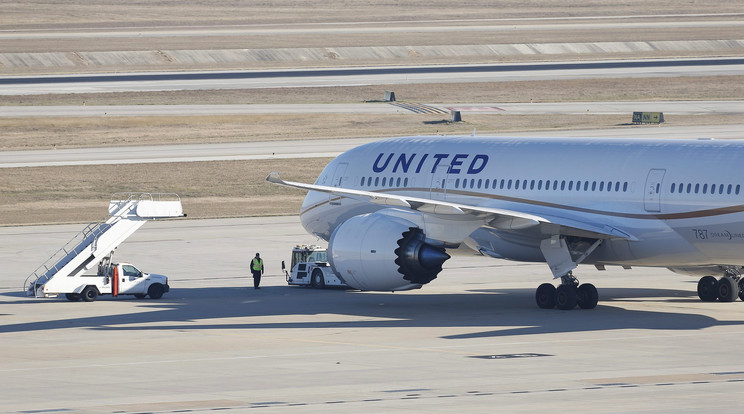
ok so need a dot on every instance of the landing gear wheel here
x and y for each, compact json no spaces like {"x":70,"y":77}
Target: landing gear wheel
{"x":741,"y":289}
{"x":587,"y":296}
{"x":728,"y":289}
{"x":89,"y":294}
{"x":545,"y":296}
{"x":317,"y":280}
{"x":155,"y":291}
{"x":72,"y":297}
{"x":707,"y":289}
{"x":566,"y":297}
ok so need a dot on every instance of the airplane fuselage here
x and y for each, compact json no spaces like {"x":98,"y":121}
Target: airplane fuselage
{"x":672,"y":203}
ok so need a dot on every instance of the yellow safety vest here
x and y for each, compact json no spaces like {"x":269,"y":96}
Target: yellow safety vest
{"x":256,"y":264}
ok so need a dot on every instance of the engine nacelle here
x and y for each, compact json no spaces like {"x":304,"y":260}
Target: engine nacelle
{"x":379,"y":252}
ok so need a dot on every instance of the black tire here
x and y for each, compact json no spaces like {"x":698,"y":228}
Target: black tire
{"x":72,"y":297}
{"x":587,"y":296}
{"x":741,"y":289}
{"x":728,"y":289}
{"x":707,"y":289}
{"x":545,"y":296}
{"x":155,"y":291}
{"x":89,"y":294}
{"x":566,"y":297}
{"x":139,"y":295}
{"x":316,"y":279}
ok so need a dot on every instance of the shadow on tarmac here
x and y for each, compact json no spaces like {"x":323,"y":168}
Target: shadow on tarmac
{"x":500,"y":312}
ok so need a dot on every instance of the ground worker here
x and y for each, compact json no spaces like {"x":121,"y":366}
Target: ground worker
{"x":257,"y":269}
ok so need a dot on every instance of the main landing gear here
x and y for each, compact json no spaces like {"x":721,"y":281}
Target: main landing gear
{"x":567,"y":295}
{"x":725,"y":289}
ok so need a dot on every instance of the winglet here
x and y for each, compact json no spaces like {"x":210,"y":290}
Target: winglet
{"x":274,"y":178}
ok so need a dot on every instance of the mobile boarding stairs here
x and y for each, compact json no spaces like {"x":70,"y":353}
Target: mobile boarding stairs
{"x":63,"y":272}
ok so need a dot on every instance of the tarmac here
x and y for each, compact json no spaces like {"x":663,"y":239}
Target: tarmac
{"x":472,"y":340}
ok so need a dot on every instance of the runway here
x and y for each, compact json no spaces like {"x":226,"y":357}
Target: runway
{"x":55,"y":84}
{"x":567,"y":108}
{"x":470,"y":341}
{"x":290,"y":149}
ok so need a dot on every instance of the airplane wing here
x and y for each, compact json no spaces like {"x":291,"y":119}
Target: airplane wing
{"x":499,"y":218}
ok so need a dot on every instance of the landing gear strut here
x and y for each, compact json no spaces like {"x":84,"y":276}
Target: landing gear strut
{"x":563,"y":254}
{"x":567,"y":295}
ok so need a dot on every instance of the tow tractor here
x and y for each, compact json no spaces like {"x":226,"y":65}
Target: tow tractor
{"x":310,"y":267}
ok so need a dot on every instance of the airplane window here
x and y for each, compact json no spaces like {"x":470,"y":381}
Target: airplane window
{"x":480,"y":181}
{"x":617,"y":187}
{"x":601,"y":186}
{"x":539,"y":184}
{"x":555,"y":185}
{"x":362,"y":183}
{"x":625,"y":186}
{"x":563,"y":185}
{"x":547,"y":184}
{"x":720,"y":189}
{"x":532,"y":185}
{"x":488,"y":181}
{"x":609,"y":185}
{"x":689,"y":188}
{"x":570,"y":185}
{"x":508,"y":185}
{"x":494,"y":184}
{"x":384,"y":180}
{"x":405,"y":182}
{"x":586,"y":185}
{"x":728,"y":189}
{"x":578,"y":185}
{"x":673,"y":187}
{"x":516,"y":184}
{"x":457,"y":183}
{"x":658,"y":188}
{"x":705,"y":189}
{"x":501,"y":186}
{"x":377,"y":181}
{"x":736,"y":191}
{"x":472,"y":183}
{"x":697,"y":188}
{"x":397,"y":184}
{"x":594,"y":186}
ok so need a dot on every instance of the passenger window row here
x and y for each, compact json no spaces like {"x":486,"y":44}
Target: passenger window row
{"x":698,"y":188}
{"x":547,"y":185}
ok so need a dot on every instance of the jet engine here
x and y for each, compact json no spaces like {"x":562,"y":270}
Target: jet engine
{"x":384,"y":253}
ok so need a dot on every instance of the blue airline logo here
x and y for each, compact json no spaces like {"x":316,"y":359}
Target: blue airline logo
{"x":458,"y":163}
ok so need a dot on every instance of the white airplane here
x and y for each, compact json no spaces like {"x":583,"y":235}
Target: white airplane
{"x":392,"y":209}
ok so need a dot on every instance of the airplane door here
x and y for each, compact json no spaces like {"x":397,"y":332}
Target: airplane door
{"x":338,"y":175}
{"x":438,"y":188}
{"x":652,"y":190}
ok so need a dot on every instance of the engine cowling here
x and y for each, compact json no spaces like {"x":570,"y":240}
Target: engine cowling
{"x":379,"y":252}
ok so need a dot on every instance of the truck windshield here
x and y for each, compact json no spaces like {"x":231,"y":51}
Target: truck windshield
{"x":130,"y":270}
{"x":318,"y":256}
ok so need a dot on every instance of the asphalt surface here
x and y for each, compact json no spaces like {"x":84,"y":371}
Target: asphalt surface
{"x":473,"y":340}
{"x":25,"y":85}
{"x":298,"y":149}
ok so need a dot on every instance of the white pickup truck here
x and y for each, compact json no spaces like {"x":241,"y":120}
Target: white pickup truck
{"x":115,"y":279}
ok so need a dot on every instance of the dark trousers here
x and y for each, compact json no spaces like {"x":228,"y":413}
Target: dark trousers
{"x":256,"y":278}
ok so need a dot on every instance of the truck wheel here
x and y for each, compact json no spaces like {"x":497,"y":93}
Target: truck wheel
{"x":155,"y":291}
{"x":89,"y":294}
{"x":317,"y":280}
{"x":72,"y":297}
